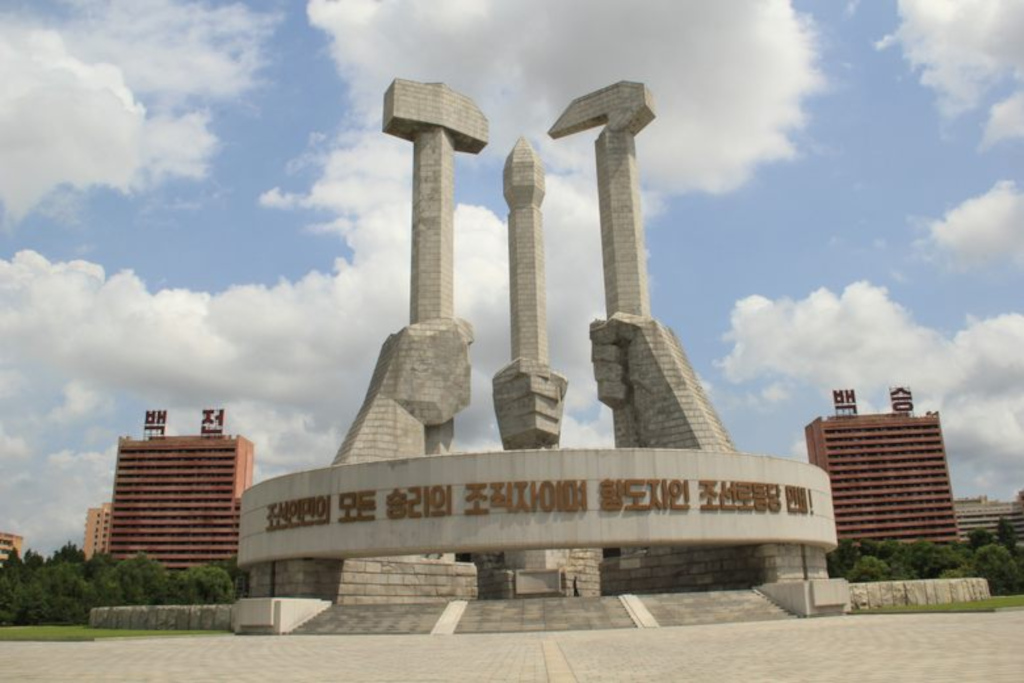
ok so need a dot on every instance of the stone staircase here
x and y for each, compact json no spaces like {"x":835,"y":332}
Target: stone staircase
{"x":719,"y":607}
{"x":373,"y":620}
{"x":546,"y":614}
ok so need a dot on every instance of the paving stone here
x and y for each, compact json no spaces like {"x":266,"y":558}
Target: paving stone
{"x":938,"y":648}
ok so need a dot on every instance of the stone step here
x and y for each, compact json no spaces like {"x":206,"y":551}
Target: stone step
{"x":373,"y":619}
{"x":544,"y":614}
{"x":720,"y":607}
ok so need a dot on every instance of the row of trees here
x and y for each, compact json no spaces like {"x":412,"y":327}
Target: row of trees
{"x":995,"y":557}
{"x":63,"y":588}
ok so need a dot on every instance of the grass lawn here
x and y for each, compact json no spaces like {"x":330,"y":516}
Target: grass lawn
{"x":990,"y":604}
{"x":57,"y":633}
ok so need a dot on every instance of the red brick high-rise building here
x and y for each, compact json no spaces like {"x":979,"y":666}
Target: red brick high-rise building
{"x":178,"y":498}
{"x":889,"y":474}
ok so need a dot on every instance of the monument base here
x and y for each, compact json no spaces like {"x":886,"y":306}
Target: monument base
{"x":710,"y":568}
{"x":579,"y":569}
{"x":815,"y":598}
{"x":379,"y":580}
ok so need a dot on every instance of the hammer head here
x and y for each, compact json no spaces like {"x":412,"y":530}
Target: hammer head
{"x":410,"y":107}
{"x":625,"y":106}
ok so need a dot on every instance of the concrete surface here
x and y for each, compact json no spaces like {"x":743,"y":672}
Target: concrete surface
{"x":930,"y":647}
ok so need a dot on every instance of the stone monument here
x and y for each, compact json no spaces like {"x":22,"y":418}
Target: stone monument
{"x":688,"y":511}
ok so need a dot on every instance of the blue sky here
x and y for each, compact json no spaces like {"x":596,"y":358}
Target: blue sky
{"x":198,"y":209}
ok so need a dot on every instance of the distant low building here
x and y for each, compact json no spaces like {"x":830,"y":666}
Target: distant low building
{"x":982,"y":513}
{"x":9,"y":543}
{"x":97,"y":531}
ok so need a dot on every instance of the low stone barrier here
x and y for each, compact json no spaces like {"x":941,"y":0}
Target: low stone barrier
{"x":163,"y":617}
{"x":921,"y":592}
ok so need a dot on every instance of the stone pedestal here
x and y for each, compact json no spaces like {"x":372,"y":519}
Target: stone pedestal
{"x":579,"y":569}
{"x":685,"y":569}
{"x":379,"y":580}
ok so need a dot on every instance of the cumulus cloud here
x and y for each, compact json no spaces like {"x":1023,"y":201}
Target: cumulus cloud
{"x":1006,"y":121}
{"x":12,"y":447}
{"x":80,"y":401}
{"x":113,"y":94}
{"x":290,"y":362}
{"x":863,"y":339}
{"x":47,"y":505}
{"x":729,"y":79}
{"x":62,"y":121}
{"x":175,"y":50}
{"x":983,"y":229}
{"x":966,"y":50}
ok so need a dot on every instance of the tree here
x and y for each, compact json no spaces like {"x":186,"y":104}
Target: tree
{"x":69,"y":553}
{"x":979,"y":538}
{"x":33,"y":560}
{"x":143,"y":581}
{"x":33,"y":604}
{"x":867,"y":569}
{"x":1007,"y":535}
{"x":995,"y":563}
{"x":202,"y":586}
{"x":842,"y":559}
{"x":101,"y":572}
{"x":927,"y":560}
{"x":8,"y":601}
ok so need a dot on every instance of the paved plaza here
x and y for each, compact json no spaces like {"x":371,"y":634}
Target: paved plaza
{"x":926,"y":647}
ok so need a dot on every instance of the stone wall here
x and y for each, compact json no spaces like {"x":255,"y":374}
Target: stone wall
{"x":383,"y":581}
{"x":690,"y":569}
{"x":306,"y":578}
{"x":367,"y":581}
{"x":582,"y":570}
{"x":494,"y":581}
{"x":163,"y":617}
{"x":584,"y":566}
{"x":921,"y":592}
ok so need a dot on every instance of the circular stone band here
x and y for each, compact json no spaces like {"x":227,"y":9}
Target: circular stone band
{"x":515,"y":500}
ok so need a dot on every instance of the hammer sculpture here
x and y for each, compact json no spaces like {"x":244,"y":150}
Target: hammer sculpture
{"x":641,"y":369}
{"x":422,"y":376}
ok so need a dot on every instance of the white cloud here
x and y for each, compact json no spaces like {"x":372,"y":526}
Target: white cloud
{"x":176,"y":146}
{"x":175,"y":50}
{"x":1006,"y":121}
{"x":80,"y":402}
{"x":710,"y":133}
{"x":62,"y":121}
{"x":12,"y":448}
{"x":46,"y":502}
{"x":862,"y":339}
{"x":112,"y":94}
{"x":965,"y":50}
{"x":289,"y":362}
{"x":983,"y":229}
